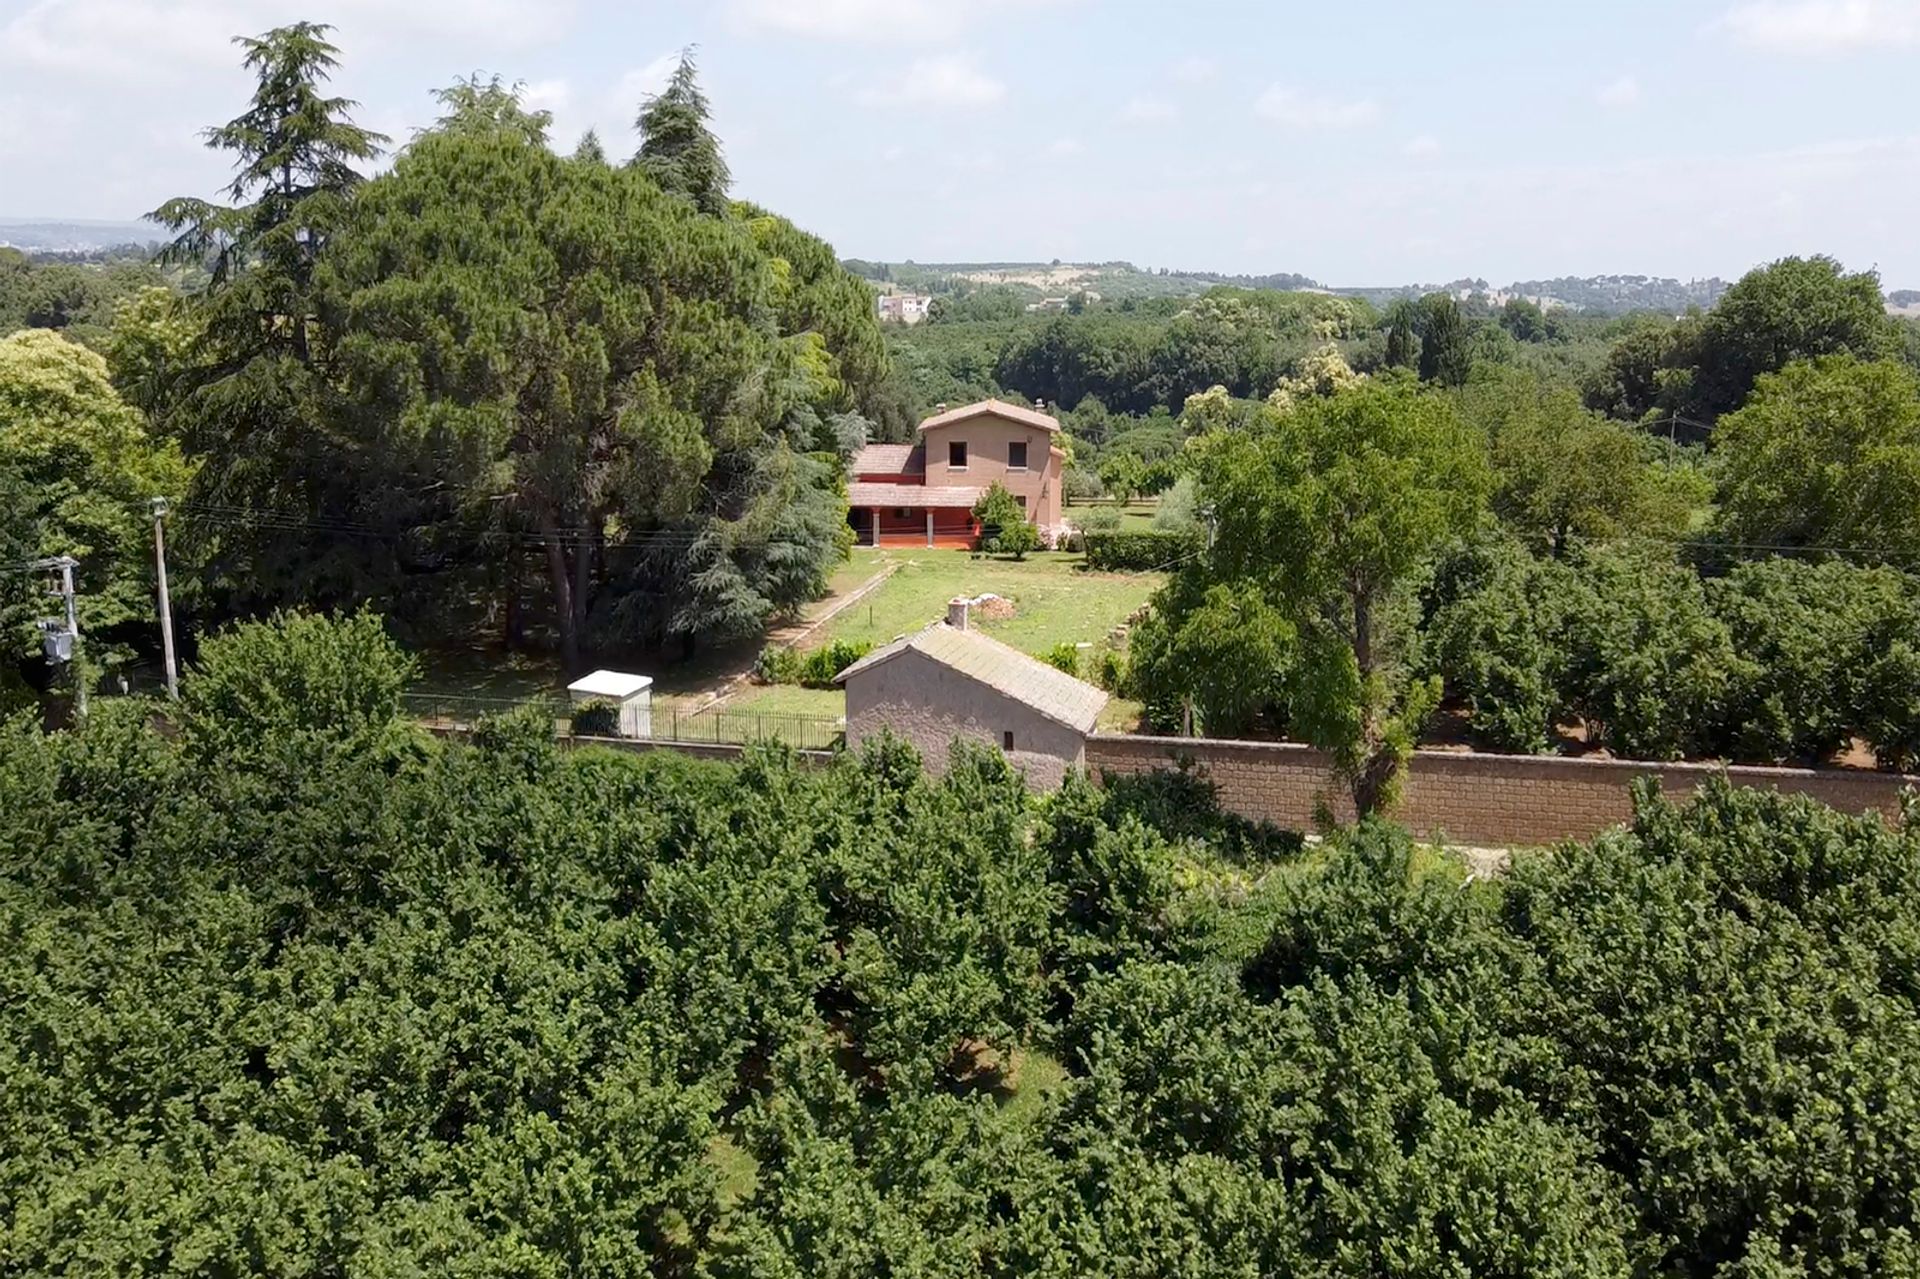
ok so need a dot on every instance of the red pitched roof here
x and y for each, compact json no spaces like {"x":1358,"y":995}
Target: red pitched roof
{"x":994,"y":408}
{"x":890,"y":459}
{"x":916,"y":497}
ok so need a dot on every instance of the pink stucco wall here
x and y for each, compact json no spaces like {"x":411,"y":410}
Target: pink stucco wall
{"x":987,"y":437}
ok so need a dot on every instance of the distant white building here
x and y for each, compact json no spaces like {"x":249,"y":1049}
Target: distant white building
{"x":903,"y":308}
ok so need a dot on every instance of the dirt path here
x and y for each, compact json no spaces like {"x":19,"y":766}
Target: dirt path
{"x":795,"y":634}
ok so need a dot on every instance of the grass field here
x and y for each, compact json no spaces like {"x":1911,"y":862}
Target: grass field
{"x":1055,"y":599}
{"x":1135,"y":517}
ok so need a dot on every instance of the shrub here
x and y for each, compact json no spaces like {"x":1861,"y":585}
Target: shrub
{"x":1811,"y":633}
{"x":596,"y":718}
{"x":295,"y":679}
{"x":1110,"y":670}
{"x":1099,"y":519}
{"x":1140,"y":552}
{"x":818,"y":668}
{"x":777,"y":664}
{"x":1004,"y":526}
{"x":1500,"y":644}
{"x":1179,"y":510}
{"x":1065,"y":656}
{"x":1649,"y":666}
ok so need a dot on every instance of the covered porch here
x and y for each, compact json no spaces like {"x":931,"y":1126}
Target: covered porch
{"x":912,"y":515}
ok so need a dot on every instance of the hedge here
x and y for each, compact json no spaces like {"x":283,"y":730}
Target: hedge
{"x":1140,"y":552}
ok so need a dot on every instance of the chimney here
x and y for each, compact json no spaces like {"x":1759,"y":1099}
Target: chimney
{"x":957,"y":612}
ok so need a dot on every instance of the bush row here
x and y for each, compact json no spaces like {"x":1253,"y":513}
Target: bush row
{"x":779,"y":664}
{"x":1779,"y":660}
{"x":1140,"y":552}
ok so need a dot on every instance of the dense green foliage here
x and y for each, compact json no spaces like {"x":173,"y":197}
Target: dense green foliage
{"x":76,"y":469}
{"x":677,"y":149}
{"x":1140,"y":551}
{"x":1707,"y":364}
{"x":1777,"y":661}
{"x":78,"y":298}
{"x":1330,"y":510}
{"x":508,"y":382}
{"x":816,"y":668}
{"x":1826,"y":453}
{"x":1005,"y":528}
{"x":297,"y":995}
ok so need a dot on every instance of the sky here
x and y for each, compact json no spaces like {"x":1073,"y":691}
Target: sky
{"x":1397,"y":142}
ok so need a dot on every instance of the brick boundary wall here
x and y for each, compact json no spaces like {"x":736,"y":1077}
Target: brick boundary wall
{"x":725,"y":751}
{"x":1494,"y":800}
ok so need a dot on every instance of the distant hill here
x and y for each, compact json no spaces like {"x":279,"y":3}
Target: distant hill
{"x":75,"y":236}
{"x":1115,"y":281}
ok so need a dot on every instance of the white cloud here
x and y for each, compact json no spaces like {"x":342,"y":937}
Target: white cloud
{"x":949,"y":80}
{"x":1422,"y":147}
{"x":1142,"y":110}
{"x":1299,"y":109}
{"x":609,"y":111}
{"x":1064,"y":147}
{"x":1624,"y":92}
{"x":160,"y":41}
{"x":1194,"y":69}
{"x":868,"y":21}
{"x":1824,"y":26}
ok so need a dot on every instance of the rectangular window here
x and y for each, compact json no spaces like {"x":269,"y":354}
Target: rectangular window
{"x":957,"y":455}
{"x":1017,"y":456}
{"x":1022,"y":499}
{"x":1006,"y":740}
{"x":902,"y":513}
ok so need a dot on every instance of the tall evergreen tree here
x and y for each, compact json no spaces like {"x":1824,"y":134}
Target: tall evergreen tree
{"x":250,"y":408}
{"x":677,"y":149}
{"x":1444,"y":357}
{"x":1403,"y":343}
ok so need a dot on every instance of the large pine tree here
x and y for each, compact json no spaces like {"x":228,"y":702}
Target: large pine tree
{"x":677,"y":149}
{"x":250,"y":407}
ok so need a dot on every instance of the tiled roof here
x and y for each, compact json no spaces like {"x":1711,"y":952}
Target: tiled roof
{"x":997,"y":408}
{"x":913,"y":496}
{"x":1027,"y":680}
{"x":890,"y":459}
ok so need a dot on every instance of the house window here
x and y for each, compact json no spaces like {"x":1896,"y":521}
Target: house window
{"x":1017,"y":456}
{"x":902,"y":513}
{"x":956,"y":455}
{"x":1006,"y":740}
{"x":1022,"y":499}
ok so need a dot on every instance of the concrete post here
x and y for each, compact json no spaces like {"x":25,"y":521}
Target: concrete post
{"x":876,"y":527}
{"x":929,"y":526}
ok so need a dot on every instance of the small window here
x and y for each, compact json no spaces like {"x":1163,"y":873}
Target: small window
{"x":1006,"y":740}
{"x":957,"y":455}
{"x":1022,"y":499}
{"x":1017,"y":456}
{"x":902,"y":513}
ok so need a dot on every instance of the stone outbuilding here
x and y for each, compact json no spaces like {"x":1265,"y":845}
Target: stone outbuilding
{"x":950,"y":683}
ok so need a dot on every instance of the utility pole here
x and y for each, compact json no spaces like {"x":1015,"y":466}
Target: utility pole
{"x":62,"y":642}
{"x":166,"y":606}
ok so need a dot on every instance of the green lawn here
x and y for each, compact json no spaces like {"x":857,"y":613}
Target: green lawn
{"x":1055,"y":599}
{"x":790,"y":699}
{"x":1135,"y":517}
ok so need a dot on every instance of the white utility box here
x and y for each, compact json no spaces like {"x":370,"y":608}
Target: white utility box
{"x":633,"y":694}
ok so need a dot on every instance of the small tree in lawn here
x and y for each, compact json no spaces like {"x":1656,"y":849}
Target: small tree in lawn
{"x":1004,"y":529}
{"x":1123,"y":475}
{"x":1329,"y":511}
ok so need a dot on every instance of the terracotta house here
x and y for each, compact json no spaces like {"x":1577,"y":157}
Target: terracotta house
{"x":950,"y":683}
{"x":923,"y":494}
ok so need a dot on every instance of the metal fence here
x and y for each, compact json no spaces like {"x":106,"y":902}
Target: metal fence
{"x":670,"y":723}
